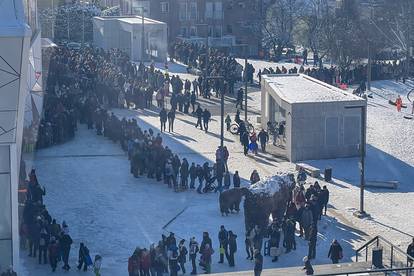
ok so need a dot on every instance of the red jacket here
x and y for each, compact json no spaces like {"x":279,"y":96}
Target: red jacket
{"x":146,"y":261}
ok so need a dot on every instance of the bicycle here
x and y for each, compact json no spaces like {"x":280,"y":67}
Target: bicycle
{"x":234,"y":128}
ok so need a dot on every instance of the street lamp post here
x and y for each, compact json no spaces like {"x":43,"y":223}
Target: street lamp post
{"x":361,"y":212}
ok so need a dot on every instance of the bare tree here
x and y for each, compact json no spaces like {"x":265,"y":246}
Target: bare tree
{"x":278,"y":25}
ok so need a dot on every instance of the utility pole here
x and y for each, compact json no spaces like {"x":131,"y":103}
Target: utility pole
{"x":369,"y":69}
{"x":361,"y":212}
{"x":143,"y":34}
{"x":245,"y":84}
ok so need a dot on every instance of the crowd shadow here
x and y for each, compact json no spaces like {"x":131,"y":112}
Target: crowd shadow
{"x":379,"y":166}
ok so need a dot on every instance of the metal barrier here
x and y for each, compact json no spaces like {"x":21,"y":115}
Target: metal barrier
{"x":393,"y":256}
{"x":406,"y":271}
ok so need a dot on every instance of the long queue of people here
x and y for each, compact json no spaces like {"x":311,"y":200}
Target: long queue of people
{"x":45,"y":239}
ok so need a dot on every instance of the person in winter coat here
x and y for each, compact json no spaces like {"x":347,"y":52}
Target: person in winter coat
{"x":263,"y":139}
{"x":43,"y":245}
{"x":184,"y":174}
{"x":289,"y":238}
{"x":169,"y":173}
{"x":145,"y":263}
{"x":53,"y":251}
{"x":223,"y":238}
{"x":206,"y":118}
{"x":324,"y":199}
{"x":410,"y":252}
{"x":173,"y":263}
{"x":163,"y":118}
{"x":274,"y":233}
{"x":82,"y":258}
{"x":227,"y":121}
{"x":244,"y":139}
{"x":97,"y":265}
{"x":193,"y":175}
{"x":236,"y":179}
{"x":194,"y":249}
{"x":206,"y":254}
{"x":308,"y":266}
{"x":335,"y":252}
{"x":254,"y":177}
{"x":199,"y":114}
{"x":258,"y":263}
{"x":313,"y":236}
{"x":65,"y":244}
{"x":134,"y":264}
{"x":171,"y":118}
{"x":232,"y":247}
{"x":301,"y":176}
{"x":306,"y":220}
{"x":200,"y":176}
{"x":206,"y":240}
{"x":182,"y":255}
{"x":253,"y":143}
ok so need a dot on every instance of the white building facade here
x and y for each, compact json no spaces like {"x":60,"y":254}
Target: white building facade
{"x":20,"y":77}
{"x":319,"y":121}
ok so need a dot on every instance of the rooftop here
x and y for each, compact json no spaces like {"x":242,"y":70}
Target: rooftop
{"x":130,"y":19}
{"x":299,"y":88}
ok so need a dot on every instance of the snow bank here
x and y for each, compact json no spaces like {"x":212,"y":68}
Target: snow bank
{"x":271,"y":185}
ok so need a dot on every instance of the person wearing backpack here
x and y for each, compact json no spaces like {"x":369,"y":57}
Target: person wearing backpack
{"x":83,"y":257}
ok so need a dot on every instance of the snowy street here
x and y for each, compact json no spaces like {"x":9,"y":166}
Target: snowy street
{"x":88,"y":185}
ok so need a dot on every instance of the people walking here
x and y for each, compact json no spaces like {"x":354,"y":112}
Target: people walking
{"x":194,"y":249}
{"x":232,"y":248}
{"x":335,"y":252}
{"x":223,"y":237}
{"x":83,"y":257}
{"x":206,"y":119}
{"x":171,"y":118}
{"x":182,"y":255}
{"x":163,"y":118}
{"x":263,"y":139}
{"x":258,"y":262}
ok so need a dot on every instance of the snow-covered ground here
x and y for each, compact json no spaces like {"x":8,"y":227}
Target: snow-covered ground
{"x":89,"y":186}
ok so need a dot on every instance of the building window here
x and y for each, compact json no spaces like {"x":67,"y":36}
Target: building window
{"x":193,"y":31}
{"x":183,"y":31}
{"x":229,"y":29}
{"x":182,"y":12}
{"x":138,"y":5}
{"x":193,"y":11}
{"x":214,"y":10}
{"x":218,"y":10}
{"x":165,"y":7}
{"x":217,"y":31}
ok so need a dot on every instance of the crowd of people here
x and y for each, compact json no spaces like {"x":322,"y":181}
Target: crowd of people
{"x":45,"y":239}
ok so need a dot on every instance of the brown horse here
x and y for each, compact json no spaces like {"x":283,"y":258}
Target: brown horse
{"x":230,"y":200}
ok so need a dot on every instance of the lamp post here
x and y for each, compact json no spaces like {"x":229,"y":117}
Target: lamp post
{"x":361,"y":212}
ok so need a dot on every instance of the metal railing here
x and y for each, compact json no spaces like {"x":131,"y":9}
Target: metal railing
{"x":406,"y":271}
{"x":393,"y":256}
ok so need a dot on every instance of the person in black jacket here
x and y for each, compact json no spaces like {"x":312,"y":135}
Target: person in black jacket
{"x":206,"y":118}
{"x":163,"y":118}
{"x":206,"y":240}
{"x":313,"y":236}
{"x":82,"y":257}
{"x":223,"y":237}
{"x":308,"y":266}
{"x":193,"y":175}
{"x":182,"y":255}
{"x":232,"y":247}
{"x":324,"y":199}
{"x":236,"y":179}
{"x":199,"y":113}
{"x":171,"y":118}
{"x":65,"y":244}
{"x":263,"y":139}
{"x":274,"y":233}
{"x":335,"y":252}
{"x":258,"y":263}
{"x":410,"y":252}
{"x":244,"y":138}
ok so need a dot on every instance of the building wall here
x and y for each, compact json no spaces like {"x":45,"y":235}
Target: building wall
{"x":325,"y":130}
{"x":238,"y":18}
